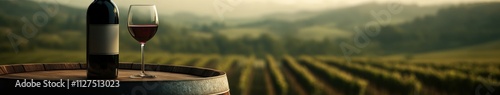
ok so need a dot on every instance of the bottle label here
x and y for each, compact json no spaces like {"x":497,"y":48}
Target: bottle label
{"x":103,"y":39}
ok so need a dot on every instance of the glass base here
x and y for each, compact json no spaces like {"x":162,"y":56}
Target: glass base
{"x":143,"y":75}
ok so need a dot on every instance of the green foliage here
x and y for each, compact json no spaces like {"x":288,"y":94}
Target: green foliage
{"x":246,"y":76}
{"x":305,"y":76}
{"x":449,"y":27}
{"x":226,"y":64}
{"x":395,"y":81}
{"x":182,"y":59}
{"x":421,"y":29}
{"x":279,"y":81}
{"x":448,"y":80}
{"x":455,"y":26}
{"x":203,"y":61}
{"x":340,"y":79}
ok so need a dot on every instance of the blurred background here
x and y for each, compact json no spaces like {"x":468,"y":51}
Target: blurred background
{"x":281,"y":47}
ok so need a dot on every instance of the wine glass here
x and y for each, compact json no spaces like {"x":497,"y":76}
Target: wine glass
{"x":142,"y":25}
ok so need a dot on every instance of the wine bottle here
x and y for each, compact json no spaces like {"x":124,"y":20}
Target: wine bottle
{"x":102,"y":40}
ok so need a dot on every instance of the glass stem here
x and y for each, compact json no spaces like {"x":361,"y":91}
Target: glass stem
{"x":142,"y":58}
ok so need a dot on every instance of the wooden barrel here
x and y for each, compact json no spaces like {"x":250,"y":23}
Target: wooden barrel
{"x":170,"y":80}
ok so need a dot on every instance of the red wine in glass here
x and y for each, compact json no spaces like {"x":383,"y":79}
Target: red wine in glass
{"x":142,"y":33}
{"x":142,"y":25}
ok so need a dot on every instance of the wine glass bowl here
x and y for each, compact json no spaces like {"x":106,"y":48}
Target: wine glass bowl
{"x":142,"y":25}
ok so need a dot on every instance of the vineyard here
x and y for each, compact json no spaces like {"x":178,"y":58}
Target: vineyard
{"x":330,"y":75}
{"x":274,"y":47}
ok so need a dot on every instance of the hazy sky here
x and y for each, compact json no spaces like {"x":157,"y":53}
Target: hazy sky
{"x":251,"y":8}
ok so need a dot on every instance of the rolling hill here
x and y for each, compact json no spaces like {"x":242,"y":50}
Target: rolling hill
{"x":415,"y":30}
